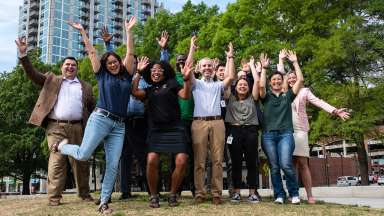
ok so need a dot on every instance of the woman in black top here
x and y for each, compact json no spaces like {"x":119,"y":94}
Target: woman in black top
{"x":166,"y":132}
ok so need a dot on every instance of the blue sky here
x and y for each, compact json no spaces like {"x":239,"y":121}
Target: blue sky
{"x":9,"y":21}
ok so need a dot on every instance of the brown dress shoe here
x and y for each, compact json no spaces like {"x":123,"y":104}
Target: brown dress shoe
{"x":199,"y":200}
{"x":54,"y":202}
{"x":217,"y":201}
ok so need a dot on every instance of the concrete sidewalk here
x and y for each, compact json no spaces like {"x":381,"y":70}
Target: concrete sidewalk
{"x":371,"y":202}
{"x":372,"y":196}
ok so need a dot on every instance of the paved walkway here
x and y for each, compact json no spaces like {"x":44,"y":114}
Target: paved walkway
{"x":371,"y":202}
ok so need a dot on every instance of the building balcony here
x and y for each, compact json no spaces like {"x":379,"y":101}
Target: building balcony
{"x":85,"y":1}
{"x":117,"y":27}
{"x":117,"y":19}
{"x":96,"y":2}
{"x":118,"y":35}
{"x":118,"y":2}
{"x":145,"y":2}
{"x":32,"y":30}
{"x":85,"y":9}
{"x":34,"y":14}
{"x":34,"y":6}
{"x":33,"y":34}
{"x":33,"y":24}
{"x":118,"y":10}
{"x":146,"y":12}
{"x":32,"y":40}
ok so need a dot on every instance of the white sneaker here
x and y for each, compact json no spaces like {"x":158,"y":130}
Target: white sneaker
{"x":296,"y":200}
{"x":61,"y":143}
{"x":279,"y":200}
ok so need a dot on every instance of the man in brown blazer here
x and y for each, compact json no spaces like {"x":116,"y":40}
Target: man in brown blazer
{"x":63,"y":108}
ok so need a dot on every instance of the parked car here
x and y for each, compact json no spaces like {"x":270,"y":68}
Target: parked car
{"x":380,"y":180}
{"x":347,"y":181}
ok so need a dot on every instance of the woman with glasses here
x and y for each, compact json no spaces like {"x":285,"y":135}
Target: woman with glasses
{"x":106,"y":122}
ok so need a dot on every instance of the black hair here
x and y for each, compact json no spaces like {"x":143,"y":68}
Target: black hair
{"x":178,"y":65}
{"x":103,"y":63}
{"x":168,"y":72}
{"x":219,"y":65}
{"x":276,"y":73}
{"x":70,"y":58}
{"x":235,"y":92}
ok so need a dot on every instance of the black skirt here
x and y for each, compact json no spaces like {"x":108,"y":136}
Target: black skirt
{"x":170,"y":139}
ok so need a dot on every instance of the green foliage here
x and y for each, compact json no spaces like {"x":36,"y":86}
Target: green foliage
{"x":340,"y":45}
{"x":20,"y":144}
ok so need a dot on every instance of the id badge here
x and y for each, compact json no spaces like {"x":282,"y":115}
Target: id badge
{"x":222,"y":103}
{"x":229,"y":139}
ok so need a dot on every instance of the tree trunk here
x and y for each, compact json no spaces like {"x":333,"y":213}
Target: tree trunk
{"x":363,"y":160}
{"x":26,"y":180}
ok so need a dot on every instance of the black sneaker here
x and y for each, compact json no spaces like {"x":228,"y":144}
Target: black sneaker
{"x":172,"y":200}
{"x":104,"y":209}
{"x":154,"y":202}
{"x":236,"y":198}
{"x":253,"y":198}
{"x":124,"y":196}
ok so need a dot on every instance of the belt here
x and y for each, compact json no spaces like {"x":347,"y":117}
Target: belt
{"x":243,"y":126}
{"x":65,"y":121}
{"x":207,"y":118}
{"x":109,"y":115}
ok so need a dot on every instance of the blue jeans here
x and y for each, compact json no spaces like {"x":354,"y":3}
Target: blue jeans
{"x":99,"y":128}
{"x":279,"y":146}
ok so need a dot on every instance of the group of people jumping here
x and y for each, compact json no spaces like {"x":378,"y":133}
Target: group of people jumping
{"x":146,"y":107}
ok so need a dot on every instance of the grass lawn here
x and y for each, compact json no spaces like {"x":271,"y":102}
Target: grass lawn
{"x":138,"y":205}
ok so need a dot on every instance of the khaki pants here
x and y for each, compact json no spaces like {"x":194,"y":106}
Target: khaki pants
{"x":57,"y":165}
{"x":208,"y":135}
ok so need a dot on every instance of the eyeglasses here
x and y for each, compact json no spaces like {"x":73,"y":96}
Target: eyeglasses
{"x":157,"y":70}
{"x":113,"y":62}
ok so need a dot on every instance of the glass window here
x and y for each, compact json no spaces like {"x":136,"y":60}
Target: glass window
{"x":64,"y":42}
{"x":56,"y":41}
{"x":64,"y":34}
{"x":64,"y":51}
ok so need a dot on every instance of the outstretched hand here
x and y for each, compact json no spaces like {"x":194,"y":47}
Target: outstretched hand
{"x":187,"y":70}
{"x":229,"y":53}
{"x":283,"y":54}
{"x":76,"y":25}
{"x":105,"y":35}
{"x":22,"y":46}
{"x":163,"y":41}
{"x":193,"y":42}
{"x":264,"y":60}
{"x":292,"y":56}
{"x":142,"y":64}
{"x":129,"y":24}
{"x":343,"y":114}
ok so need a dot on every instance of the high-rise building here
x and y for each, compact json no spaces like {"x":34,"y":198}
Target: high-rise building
{"x":44,"y":23}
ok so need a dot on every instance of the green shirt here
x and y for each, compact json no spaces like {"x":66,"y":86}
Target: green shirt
{"x":277,"y":113}
{"x":186,"y":106}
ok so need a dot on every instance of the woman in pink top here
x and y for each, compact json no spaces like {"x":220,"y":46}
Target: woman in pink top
{"x":301,"y":125}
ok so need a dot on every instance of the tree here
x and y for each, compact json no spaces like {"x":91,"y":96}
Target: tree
{"x":21,"y":152}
